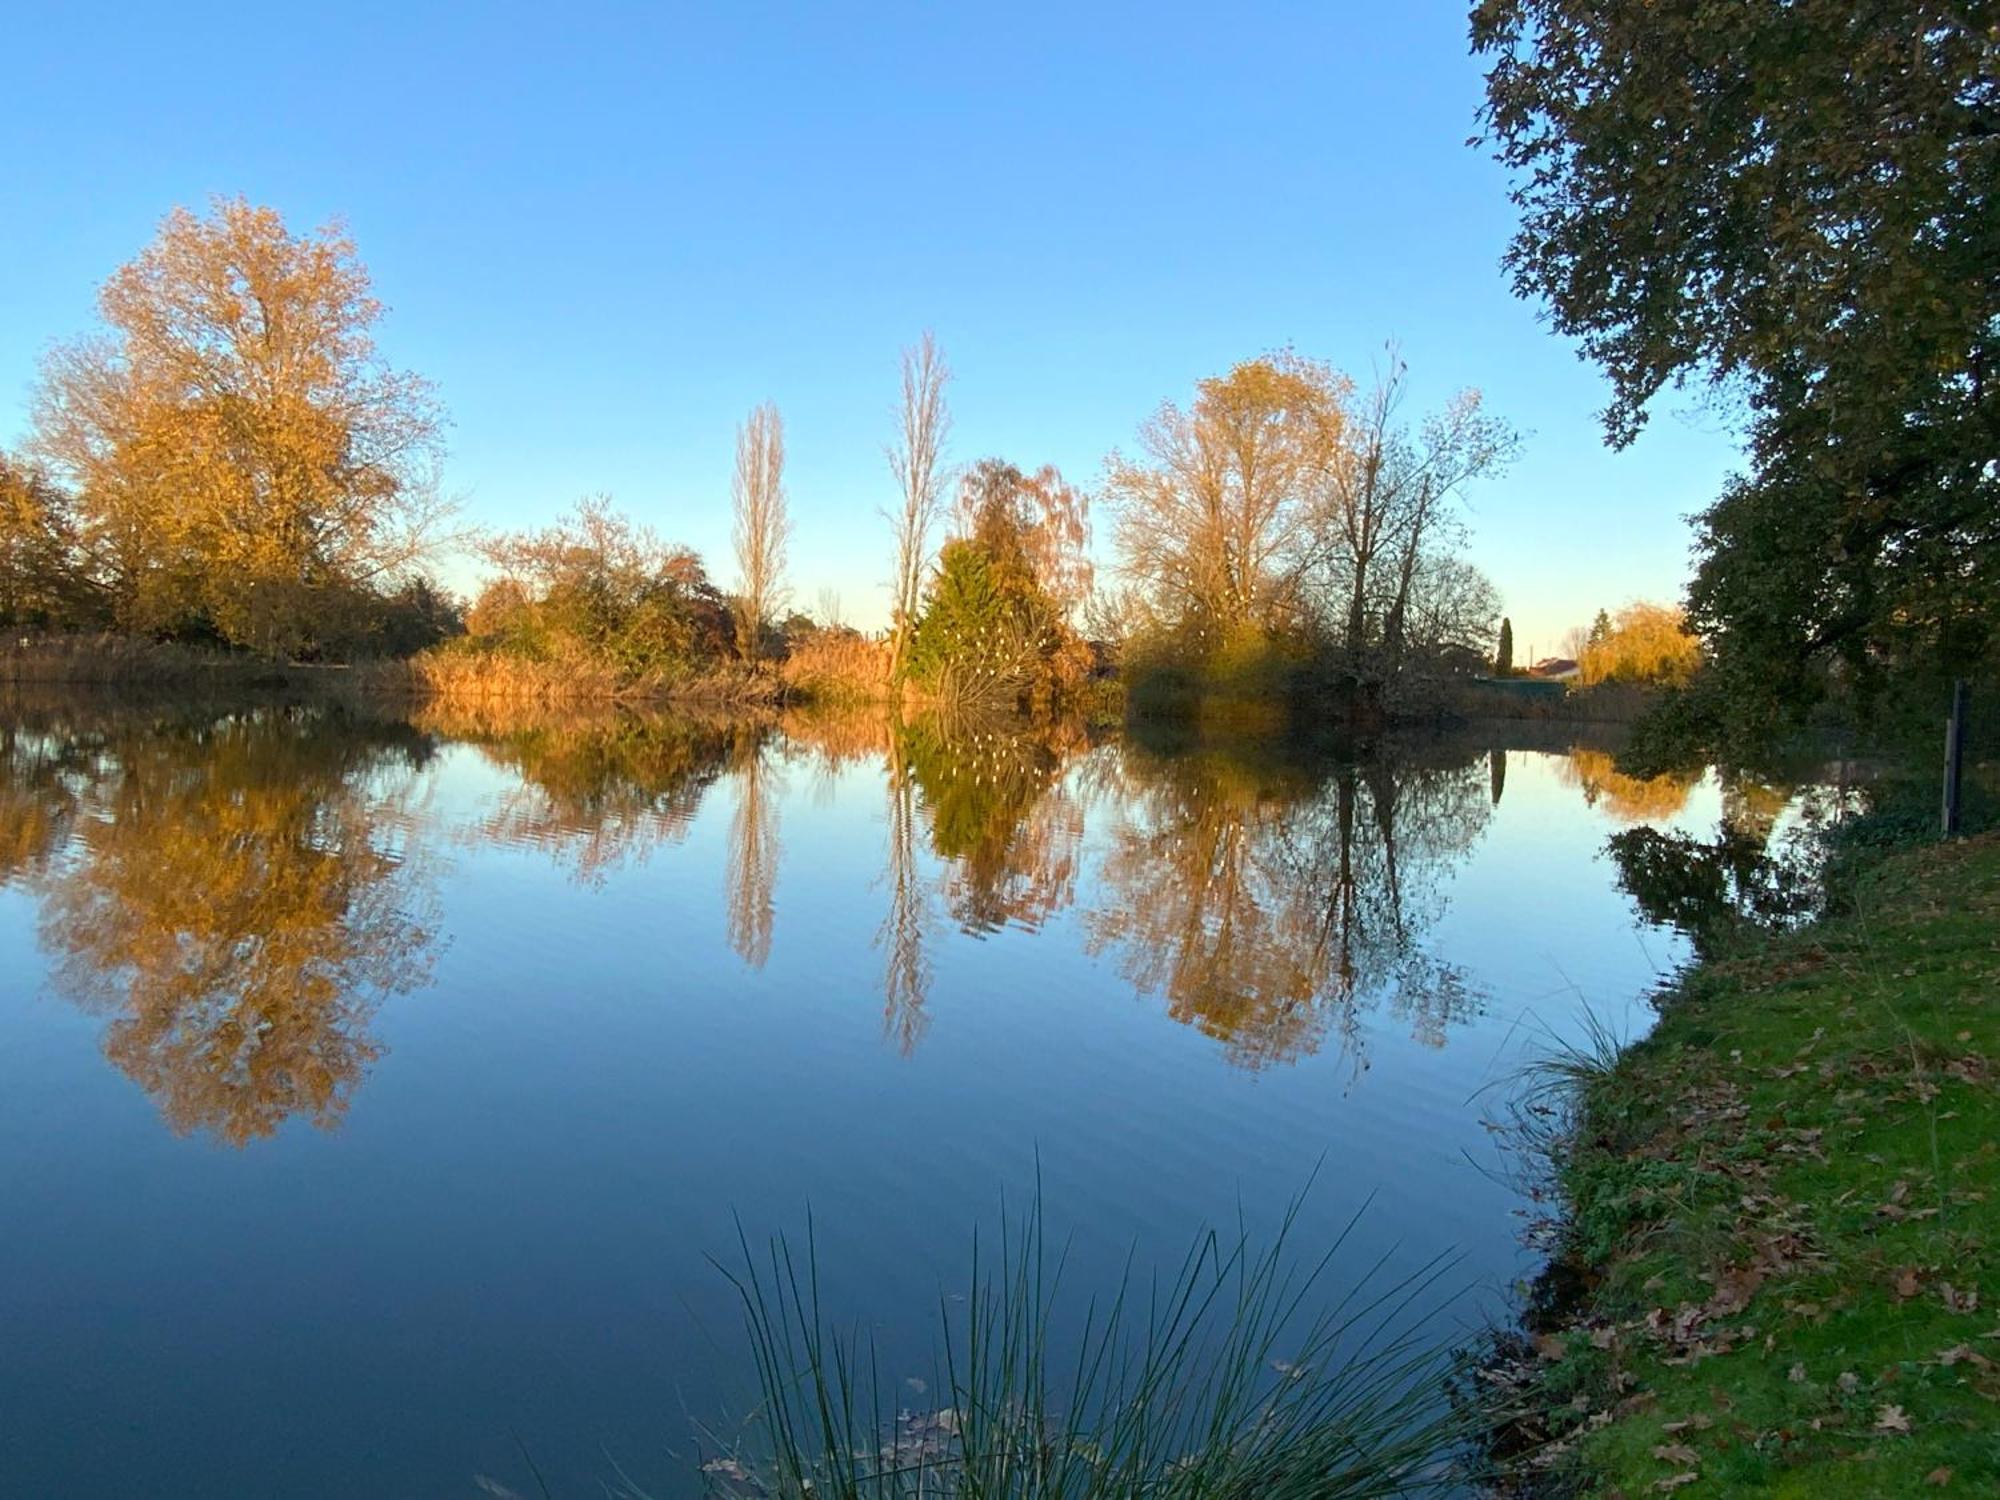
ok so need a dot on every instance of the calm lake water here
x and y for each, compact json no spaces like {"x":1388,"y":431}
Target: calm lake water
{"x":374,"y":1092}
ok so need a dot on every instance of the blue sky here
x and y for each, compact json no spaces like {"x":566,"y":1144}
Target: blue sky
{"x":606,"y":232}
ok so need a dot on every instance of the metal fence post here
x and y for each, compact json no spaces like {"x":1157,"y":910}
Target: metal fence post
{"x":1954,"y":756}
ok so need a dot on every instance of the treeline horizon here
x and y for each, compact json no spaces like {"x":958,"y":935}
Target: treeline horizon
{"x":229,"y":462}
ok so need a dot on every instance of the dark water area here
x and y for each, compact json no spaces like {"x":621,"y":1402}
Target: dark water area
{"x":374,"y":1092}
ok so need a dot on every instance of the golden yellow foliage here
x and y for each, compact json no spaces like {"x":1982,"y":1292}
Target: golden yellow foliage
{"x":236,"y":910}
{"x":1266,"y":912}
{"x":1631,"y":799}
{"x":1215,"y":519}
{"x":1647,"y":643}
{"x":242,"y":458}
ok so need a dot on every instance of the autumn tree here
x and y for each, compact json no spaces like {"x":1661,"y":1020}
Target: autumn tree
{"x":1646,"y":643}
{"x":1284,"y":519}
{"x":44,"y":579}
{"x":1041,"y":515}
{"x":244,"y":461}
{"x":1389,"y":511}
{"x":1795,"y":204}
{"x":763,"y":527}
{"x":1215,"y":517}
{"x":916,"y":459}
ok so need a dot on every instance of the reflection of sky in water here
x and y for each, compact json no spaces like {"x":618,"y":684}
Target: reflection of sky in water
{"x":505,"y":1233}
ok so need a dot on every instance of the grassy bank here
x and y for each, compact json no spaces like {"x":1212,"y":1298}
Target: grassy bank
{"x":31,"y":661}
{"x":1786,"y":1211}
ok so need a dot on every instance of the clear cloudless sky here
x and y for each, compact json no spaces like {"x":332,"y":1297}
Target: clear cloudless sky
{"x":606,"y":231}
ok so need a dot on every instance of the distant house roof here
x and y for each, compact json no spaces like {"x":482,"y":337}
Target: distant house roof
{"x":1553,"y":666}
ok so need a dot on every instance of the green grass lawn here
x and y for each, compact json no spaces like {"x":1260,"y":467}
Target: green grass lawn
{"x":1788,"y":1198}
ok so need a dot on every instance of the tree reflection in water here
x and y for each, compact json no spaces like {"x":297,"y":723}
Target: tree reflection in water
{"x":1630,"y":799}
{"x":1751,"y":873}
{"x":1264,"y":902}
{"x":238,"y":896}
{"x":904,"y":935}
{"x":751,"y":875}
{"x":598,"y":791}
{"x":1269,"y":905}
{"x":238,"y":892}
{"x":1007,"y":826}
{"x":42,"y":763}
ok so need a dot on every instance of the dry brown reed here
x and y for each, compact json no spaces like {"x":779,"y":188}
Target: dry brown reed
{"x":840,"y":666}
{"x":466,"y":676}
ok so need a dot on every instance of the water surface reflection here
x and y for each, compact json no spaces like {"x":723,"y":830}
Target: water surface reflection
{"x":578,"y":991}
{"x":235,"y":895}
{"x":237,"y":892}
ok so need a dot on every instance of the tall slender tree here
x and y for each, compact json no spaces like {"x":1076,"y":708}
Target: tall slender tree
{"x":763,"y":524}
{"x":916,"y":459}
{"x":1503,"y":655}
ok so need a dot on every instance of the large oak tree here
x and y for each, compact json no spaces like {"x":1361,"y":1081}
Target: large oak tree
{"x":1794,"y":203}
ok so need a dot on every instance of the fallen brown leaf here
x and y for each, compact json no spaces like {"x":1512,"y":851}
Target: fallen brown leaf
{"x":1699,"y":1422}
{"x":1891,"y":1419}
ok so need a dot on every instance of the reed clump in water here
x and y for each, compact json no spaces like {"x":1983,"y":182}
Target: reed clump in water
{"x":1239,"y":1375}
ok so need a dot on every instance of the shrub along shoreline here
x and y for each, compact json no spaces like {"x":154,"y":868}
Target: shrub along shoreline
{"x":1784,"y":1212}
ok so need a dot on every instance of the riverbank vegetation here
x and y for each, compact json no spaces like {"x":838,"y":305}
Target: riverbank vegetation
{"x":1288,"y":536}
{"x":1785,"y":1208}
{"x":231,"y":467}
{"x":1782,"y":1202}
